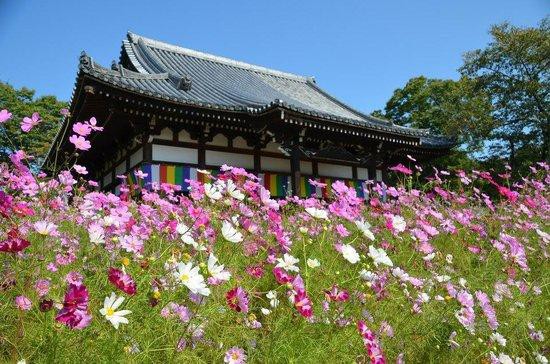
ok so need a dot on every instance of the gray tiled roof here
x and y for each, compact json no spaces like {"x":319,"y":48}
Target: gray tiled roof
{"x":223,"y":83}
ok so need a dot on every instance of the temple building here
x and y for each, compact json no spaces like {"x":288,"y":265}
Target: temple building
{"x":171,"y":111}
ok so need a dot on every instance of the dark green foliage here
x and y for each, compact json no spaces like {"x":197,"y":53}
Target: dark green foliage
{"x":22,"y":102}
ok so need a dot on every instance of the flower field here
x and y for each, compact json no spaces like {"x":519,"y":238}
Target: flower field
{"x":451,"y":269}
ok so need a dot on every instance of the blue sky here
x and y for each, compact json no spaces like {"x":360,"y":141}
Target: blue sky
{"x":360,"y":51}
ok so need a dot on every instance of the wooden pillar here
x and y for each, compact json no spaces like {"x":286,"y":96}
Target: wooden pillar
{"x":257,"y":160}
{"x":295,"y":170}
{"x":202,"y":152}
{"x":314,"y":169}
{"x":354,"y":172}
{"x":147,"y":149}
{"x":372,"y":173}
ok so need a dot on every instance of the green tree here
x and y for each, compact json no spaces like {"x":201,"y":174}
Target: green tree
{"x":22,"y":102}
{"x":514,"y":70}
{"x":445,"y":107}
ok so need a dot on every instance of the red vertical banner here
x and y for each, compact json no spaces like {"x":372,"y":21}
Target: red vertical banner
{"x":162,"y":173}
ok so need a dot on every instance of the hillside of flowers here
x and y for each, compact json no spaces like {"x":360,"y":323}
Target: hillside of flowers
{"x":452,"y":269}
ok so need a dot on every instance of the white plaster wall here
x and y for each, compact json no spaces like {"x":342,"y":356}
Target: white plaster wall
{"x":184,"y":136}
{"x":231,"y":159}
{"x":379,"y":175}
{"x":121,"y":168}
{"x":165,"y":134}
{"x":362,"y":173}
{"x":272,"y":147}
{"x":275,"y":164}
{"x":136,"y":157}
{"x":107,"y":179}
{"x":306,"y":167}
{"x":167,"y":153}
{"x":334,"y":170}
{"x":239,"y":142}
{"x":219,"y":140}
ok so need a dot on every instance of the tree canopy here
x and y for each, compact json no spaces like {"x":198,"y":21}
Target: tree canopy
{"x":514,"y":70}
{"x":499,"y":106}
{"x":21,"y":103}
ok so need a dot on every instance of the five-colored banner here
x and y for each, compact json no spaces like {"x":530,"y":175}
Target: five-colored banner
{"x":278,"y":184}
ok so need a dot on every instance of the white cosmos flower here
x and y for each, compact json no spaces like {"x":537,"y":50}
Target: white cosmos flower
{"x":217,"y":270}
{"x":190,"y":277}
{"x":365,"y":228}
{"x":265,"y":311}
{"x":317,"y":213}
{"x":233,"y":191}
{"x":428,"y":257}
{"x":398,"y":223}
{"x":498,"y":338}
{"x":230,"y":233}
{"x":350,"y":254}
{"x":109,"y":310}
{"x":45,"y":227}
{"x":273,"y":300}
{"x":212,"y":191}
{"x":313,"y":263}
{"x":287,"y":262}
{"x":185,"y":233}
{"x":96,"y":234}
{"x":379,"y":256}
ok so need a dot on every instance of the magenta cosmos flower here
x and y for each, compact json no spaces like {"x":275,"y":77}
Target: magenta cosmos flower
{"x":302,"y":302}
{"x":122,"y":281}
{"x":13,"y":244}
{"x":237,"y":299}
{"x":371,"y":344}
{"x":74,"y":313}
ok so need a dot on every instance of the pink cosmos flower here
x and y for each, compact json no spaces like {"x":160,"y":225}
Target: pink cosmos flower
{"x":28,"y":123}
{"x":23,"y":303}
{"x":122,"y":281}
{"x":139,"y":174}
{"x":80,"y":169}
{"x":342,"y":231}
{"x":401,"y":168}
{"x":74,"y":278}
{"x":74,"y":313}
{"x":93,"y":124}
{"x":64,"y":112}
{"x":79,"y":142}
{"x":131,"y":244}
{"x":235,"y":355}
{"x":82,"y":129}
{"x":5,"y":115}
{"x":237,"y":299}
{"x":42,"y":287}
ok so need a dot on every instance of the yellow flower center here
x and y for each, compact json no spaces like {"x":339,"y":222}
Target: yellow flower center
{"x":234,"y":356}
{"x":184,"y":277}
{"x":125,"y":261}
{"x":110,"y":312}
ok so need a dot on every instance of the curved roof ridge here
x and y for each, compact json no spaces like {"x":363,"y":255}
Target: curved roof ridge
{"x":134,"y":38}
